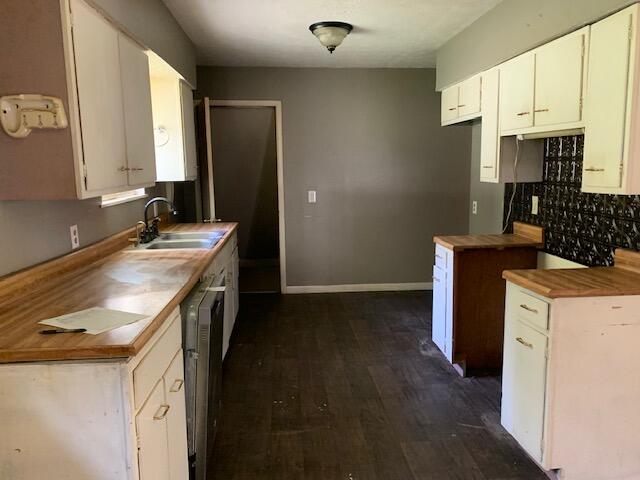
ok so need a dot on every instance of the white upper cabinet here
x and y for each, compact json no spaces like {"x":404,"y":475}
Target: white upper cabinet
{"x":461,"y":102}
{"x":138,"y":118}
{"x":559,"y":80}
{"x":97,"y":66}
{"x":542,"y":90}
{"x":516,"y":93}
{"x":173,"y":122}
{"x":611,"y":152}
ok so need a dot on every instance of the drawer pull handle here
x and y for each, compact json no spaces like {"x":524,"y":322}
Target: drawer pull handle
{"x":523,"y":342}
{"x":487,"y":166}
{"x":522,"y":114}
{"x":541,"y":110}
{"x":439,"y":256}
{"x":162,"y":412}
{"x":436,"y":279}
{"x":593,"y":169}
{"x":177,"y":385}
{"x":528,"y":308}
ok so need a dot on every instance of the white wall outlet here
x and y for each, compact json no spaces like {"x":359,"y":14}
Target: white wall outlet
{"x":474,"y":207}
{"x":534,"y":205}
{"x":75,"y":238}
{"x":311,"y":196}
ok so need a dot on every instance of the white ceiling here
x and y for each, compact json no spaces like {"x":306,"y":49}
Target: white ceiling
{"x":387,"y":33}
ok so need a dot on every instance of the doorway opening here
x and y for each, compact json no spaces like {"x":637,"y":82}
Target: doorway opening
{"x":244,"y":184}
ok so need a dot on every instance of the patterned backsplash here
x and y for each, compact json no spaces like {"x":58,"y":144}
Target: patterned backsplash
{"x":582,"y":227}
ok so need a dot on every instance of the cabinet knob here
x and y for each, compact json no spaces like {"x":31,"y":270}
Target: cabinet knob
{"x":523,"y":342}
{"x":162,"y":412}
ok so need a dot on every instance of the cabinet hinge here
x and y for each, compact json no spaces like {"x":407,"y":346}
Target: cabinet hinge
{"x":84,"y":174}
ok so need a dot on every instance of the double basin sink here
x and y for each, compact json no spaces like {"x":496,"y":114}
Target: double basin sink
{"x":178,"y":240}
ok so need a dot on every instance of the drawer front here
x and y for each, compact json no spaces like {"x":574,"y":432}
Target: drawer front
{"x":155,"y":363}
{"x":442,"y":257}
{"x":532,"y":309}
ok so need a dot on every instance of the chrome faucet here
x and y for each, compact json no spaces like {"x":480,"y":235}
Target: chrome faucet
{"x":151,"y":231}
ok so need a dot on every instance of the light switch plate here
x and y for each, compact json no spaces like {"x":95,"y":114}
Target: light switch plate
{"x":311,"y":196}
{"x":534,"y":205}
{"x":75,"y":238}
{"x":474,"y":207}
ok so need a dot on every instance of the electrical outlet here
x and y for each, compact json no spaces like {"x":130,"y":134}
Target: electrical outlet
{"x":75,"y":238}
{"x":534,"y":205}
{"x":474,"y":207}
{"x":311,"y":196}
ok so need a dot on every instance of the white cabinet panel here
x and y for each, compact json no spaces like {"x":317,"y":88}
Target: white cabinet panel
{"x":138,"y":117}
{"x":516,"y":93}
{"x":439,"y":310}
{"x":97,"y":66}
{"x":558,"y":80}
{"x":449,"y":105}
{"x":607,"y":116}
{"x":176,"y":419}
{"x":188,"y":132}
{"x":490,"y":132}
{"x":469,"y":96}
{"x":151,"y":427}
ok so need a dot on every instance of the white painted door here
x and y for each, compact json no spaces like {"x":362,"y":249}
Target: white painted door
{"x":100,"y":98}
{"x":151,"y":427}
{"x":516,"y":93}
{"x":524,"y":385}
{"x":439,"y":310}
{"x":611,"y":54}
{"x":188,"y":132}
{"x":558,"y":80}
{"x":490,"y":134}
{"x":176,"y":419}
{"x":138,"y":117}
{"x":469,"y":96}
{"x":449,"y":104}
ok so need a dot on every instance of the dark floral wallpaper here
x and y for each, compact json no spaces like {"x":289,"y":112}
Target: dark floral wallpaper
{"x":581,"y":227}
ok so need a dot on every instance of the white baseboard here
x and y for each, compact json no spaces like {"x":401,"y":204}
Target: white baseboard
{"x":363,"y":287}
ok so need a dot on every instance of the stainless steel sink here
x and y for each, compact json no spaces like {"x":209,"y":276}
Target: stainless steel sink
{"x":174,"y":244}
{"x":191,"y":236}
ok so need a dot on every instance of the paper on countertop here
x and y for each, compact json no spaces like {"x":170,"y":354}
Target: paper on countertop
{"x":96,"y":320}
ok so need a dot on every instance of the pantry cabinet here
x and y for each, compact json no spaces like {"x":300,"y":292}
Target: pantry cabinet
{"x":611,"y":161}
{"x":99,"y":74}
{"x":462,"y":102}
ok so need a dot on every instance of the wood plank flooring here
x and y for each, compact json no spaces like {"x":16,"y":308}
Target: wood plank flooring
{"x":350,"y":386}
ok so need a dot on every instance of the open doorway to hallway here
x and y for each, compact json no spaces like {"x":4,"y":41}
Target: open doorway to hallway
{"x":244,"y":142}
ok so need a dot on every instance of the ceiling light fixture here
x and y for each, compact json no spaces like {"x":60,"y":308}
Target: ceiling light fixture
{"x":331,"y":34}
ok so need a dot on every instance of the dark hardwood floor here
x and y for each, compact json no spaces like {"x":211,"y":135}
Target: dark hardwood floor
{"x":350,"y":386}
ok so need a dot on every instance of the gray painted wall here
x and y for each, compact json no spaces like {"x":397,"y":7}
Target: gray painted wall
{"x":388,"y":176}
{"x":511,"y":28}
{"x":490,"y":196}
{"x":246,"y":179}
{"x":33,"y":232}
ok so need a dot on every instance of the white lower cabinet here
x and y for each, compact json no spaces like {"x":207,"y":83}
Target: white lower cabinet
{"x":114,"y":419}
{"x":569,"y":383}
{"x":442,"y":311}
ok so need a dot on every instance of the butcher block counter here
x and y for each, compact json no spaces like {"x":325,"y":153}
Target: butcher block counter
{"x":110,"y":274}
{"x":621,"y":279}
{"x":523,"y":235}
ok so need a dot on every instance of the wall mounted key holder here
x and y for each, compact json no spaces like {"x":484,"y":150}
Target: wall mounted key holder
{"x":19,"y":114}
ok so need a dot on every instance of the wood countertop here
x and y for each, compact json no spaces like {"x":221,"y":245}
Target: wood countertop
{"x":621,"y":279}
{"x":149,"y":282}
{"x":524,"y":236}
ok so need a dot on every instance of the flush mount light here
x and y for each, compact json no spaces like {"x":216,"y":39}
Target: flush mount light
{"x":331,"y":34}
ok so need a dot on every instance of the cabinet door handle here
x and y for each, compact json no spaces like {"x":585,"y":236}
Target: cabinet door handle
{"x":124,"y":169}
{"x":523,"y":342}
{"x":162,"y":412}
{"x":439,"y":256}
{"x":136,"y":169}
{"x":541,"y":110}
{"x":528,"y":308}
{"x":593,"y":169}
{"x":436,"y":279}
{"x":522,"y":114}
{"x":453,"y":108}
{"x":177,"y":385}
{"x":460,"y":106}
{"x":487,"y":166}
